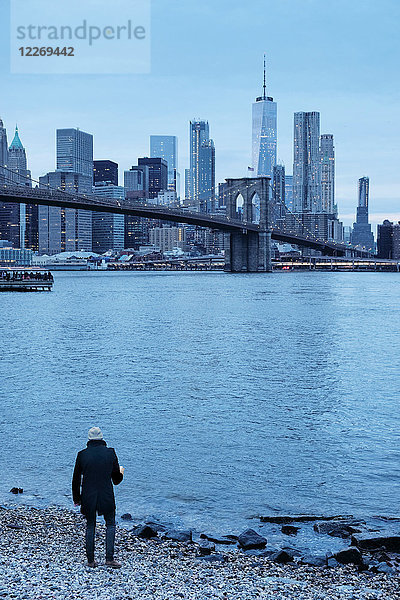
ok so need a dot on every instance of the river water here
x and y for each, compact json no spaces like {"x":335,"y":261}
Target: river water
{"x":225,"y":396}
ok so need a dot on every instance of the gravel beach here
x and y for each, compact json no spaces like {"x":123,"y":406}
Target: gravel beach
{"x":42,"y":557}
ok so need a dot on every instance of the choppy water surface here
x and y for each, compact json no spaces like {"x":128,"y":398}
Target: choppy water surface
{"x":225,"y":396}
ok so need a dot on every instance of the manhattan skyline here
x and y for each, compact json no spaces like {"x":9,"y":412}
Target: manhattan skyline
{"x":341,"y":75}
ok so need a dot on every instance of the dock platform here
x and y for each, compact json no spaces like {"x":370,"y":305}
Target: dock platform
{"x":27,"y":285}
{"x":23,"y":280}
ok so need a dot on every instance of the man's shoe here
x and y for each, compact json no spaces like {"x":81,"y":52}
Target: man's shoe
{"x":92,"y":564}
{"x":113,"y":563}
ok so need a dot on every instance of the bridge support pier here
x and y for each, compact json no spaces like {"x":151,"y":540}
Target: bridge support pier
{"x":248,"y":251}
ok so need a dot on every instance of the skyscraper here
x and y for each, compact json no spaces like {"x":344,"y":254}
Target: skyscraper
{"x":363,"y":194}
{"x":158,"y":174}
{"x":13,"y":216}
{"x":105,"y":171}
{"x":17,"y":163}
{"x":306,"y":163}
{"x":32,"y":227}
{"x":7,"y":211}
{"x":385,"y":239}
{"x":388,"y":241}
{"x":3,"y":152}
{"x":313,"y":207}
{"x":75,"y":151}
{"x":207,"y":177}
{"x":188,"y":185}
{"x":264,"y":133}
{"x":136,"y":184}
{"x":278,"y":195}
{"x":166,"y":147}
{"x":222,"y":196}
{"x":289,"y":192}
{"x":137,"y":180}
{"x":10,"y":224}
{"x":327,"y":151}
{"x":65,"y":229}
{"x":19,"y":175}
{"x":201,"y":180}
{"x":107,"y":228}
{"x":362,"y":234}
{"x":68,"y":229}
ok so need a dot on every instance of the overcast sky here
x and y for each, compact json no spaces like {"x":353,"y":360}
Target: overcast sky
{"x":337,"y":57}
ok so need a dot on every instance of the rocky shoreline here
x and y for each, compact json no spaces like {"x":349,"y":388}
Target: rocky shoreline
{"x":42,"y":557}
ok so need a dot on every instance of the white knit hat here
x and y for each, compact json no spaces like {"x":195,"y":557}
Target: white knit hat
{"x":95,"y":433}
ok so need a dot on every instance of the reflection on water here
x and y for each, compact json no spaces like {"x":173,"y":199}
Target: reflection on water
{"x":225,"y":396}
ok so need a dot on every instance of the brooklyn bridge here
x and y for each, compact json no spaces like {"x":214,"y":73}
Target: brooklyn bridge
{"x":248,"y":231}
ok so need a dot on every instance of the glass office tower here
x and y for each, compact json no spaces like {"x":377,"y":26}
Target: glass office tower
{"x":105,"y":171}
{"x":201,"y":180}
{"x":362,"y":234}
{"x":327,"y":151}
{"x":75,"y":151}
{"x":264,"y":134}
{"x":3,"y":152}
{"x":166,"y":147}
{"x":306,"y":163}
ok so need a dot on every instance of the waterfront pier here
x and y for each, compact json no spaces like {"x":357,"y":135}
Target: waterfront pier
{"x":25,"y":281}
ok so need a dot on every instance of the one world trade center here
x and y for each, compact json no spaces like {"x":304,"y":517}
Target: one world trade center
{"x":264,"y":134}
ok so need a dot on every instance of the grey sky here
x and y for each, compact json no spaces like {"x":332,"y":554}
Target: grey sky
{"x":337,"y":57}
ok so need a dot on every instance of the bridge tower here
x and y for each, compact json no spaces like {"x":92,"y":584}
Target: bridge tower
{"x":248,"y":251}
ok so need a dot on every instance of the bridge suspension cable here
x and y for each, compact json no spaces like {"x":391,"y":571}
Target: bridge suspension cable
{"x":217,"y":220}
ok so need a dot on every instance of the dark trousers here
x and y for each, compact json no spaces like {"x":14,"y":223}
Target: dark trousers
{"x":110,"y":535}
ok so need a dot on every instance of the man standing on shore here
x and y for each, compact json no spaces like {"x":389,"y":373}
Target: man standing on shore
{"x":96,"y":469}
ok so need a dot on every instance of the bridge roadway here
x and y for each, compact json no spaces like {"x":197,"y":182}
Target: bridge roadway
{"x":45,"y":197}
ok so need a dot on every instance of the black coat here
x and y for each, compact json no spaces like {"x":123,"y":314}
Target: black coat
{"x":97,"y":467}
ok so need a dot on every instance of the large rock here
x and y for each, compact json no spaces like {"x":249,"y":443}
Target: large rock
{"x":216,"y":539}
{"x":212,"y":558}
{"x":367,"y":542}
{"x":313,"y":561}
{"x":332,"y":562}
{"x":302,"y":518}
{"x":251,"y":539}
{"x":145,"y":532}
{"x":205,"y":548}
{"x":126,"y":517}
{"x":293,"y":551}
{"x":349,"y":556}
{"x":156,"y":526}
{"x":178,"y":536}
{"x":341,"y":529}
{"x":383,"y":557}
{"x":282,"y":557}
{"x":289,"y":529}
{"x":385,"y":568}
